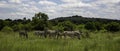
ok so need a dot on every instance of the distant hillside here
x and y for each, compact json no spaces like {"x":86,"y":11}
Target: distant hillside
{"x":82,"y":20}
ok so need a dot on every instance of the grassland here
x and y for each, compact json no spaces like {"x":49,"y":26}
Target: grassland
{"x":97,"y":42}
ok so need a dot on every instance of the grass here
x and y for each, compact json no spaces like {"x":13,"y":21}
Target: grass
{"x":97,"y":42}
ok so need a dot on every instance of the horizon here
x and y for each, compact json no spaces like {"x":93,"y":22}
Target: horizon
{"x":18,"y":9}
{"x":64,"y":17}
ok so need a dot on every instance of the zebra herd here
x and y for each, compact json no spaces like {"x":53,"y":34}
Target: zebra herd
{"x":54,"y":34}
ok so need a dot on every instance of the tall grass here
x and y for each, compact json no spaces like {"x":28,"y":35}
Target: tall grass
{"x":97,"y":42}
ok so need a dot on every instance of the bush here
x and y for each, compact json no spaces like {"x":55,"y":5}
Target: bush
{"x":18,"y":27}
{"x":80,"y":27}
{"x":113,"y":27}
{"x":90,"y":26}
{"x":69,"y":26}
{"x":98,"y":26}
{"x":15,"y":27}
{"x":7,"y":29}
{"x":1,"y":24}
{"x":22,"y":27}
{"x":27,"y":27}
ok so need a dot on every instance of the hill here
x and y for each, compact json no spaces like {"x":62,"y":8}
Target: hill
{"x":82,"y":20}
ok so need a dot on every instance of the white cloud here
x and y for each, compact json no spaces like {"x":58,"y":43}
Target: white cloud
{"x":27,"y":8}
{"x":74,"y":3}
{"x":19,"y":10}
{"x":47,"y":3}
{"x":108,"y":1}
{"x":106,"y":8}
{"x":13,"y":6}
{"x":31,"y":9}
{"x":2,"y":3}
{"x":80,"y":4}
{"x":15,"y":1}
{"x":32,"y":2}
{"x":70,"y":1}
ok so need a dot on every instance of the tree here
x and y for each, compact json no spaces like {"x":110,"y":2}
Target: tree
{"x":41,"y":16}
{"x":80,"y":27}
{"x":1,"y":24}
{"x":24,"y":20}
{"x":60,"y":26}
{"x":8,"y":22}
{"x":27,"y":27}
{"x":7,"y":29}
{"x":113,"y":27}
{"x":18,"y":27}
{"x":98,"y":26}
{"x":90,"y":26}
{"x":40,"y":21}
{"x":69,"y":26}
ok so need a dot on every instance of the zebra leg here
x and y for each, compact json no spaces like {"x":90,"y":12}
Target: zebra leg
{"x":64,"y":36}
{"x":78,"y":36}
{"x":26,"y":35}
{"x":58,"y":36}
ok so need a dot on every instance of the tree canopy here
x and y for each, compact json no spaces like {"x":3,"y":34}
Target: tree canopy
{"x":40,"y":22}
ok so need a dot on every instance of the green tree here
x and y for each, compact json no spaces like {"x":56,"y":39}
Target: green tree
{"x":40,"y":21}
{"x":18,"y":27}
{"x":90,"y":26}
{"x":98,"y":26}
{"x":41,"y":16}
{"x":113,"y":27}
{"x":80,"y":27}
{"x":8,"y":22}
{"x":28,"y":27}
{"x":1,"y":24}
{"x":68,"y":25}
{"x":60,"y":26}
{"x":7,"y":29}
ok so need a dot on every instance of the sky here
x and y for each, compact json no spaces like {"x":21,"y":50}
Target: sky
{"x":16,"y":9}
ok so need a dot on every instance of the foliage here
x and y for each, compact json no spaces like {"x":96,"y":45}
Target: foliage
{"x":7,"y":29}
{"x":66,"y":25}
{"x":90,"y":26}
{"x":60,"y":26}
{"x":28,"y":27}
{"x":83,"y":20}
{"x":40,"y":21}
{"x":1,"y":24}
{"x":94,"y":26}
{"x":98,"y":26}
{"x":69,"y":26}
{"x":16,"y":28}
{"x":80,"y":27}
{"x":113,"y":27}
{"x":20,"y":26}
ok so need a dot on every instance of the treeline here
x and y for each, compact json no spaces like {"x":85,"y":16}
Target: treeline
{"x":83,"y":20}
{"x":40,"y":22}
{"x":92,"y":24}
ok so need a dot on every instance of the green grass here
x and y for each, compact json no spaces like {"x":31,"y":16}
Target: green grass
{"x":97,"y":42}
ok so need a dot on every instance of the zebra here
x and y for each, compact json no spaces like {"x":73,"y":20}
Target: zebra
{"x":52,"y":33}
{"x":41,"y":33}
{"x":23,"y":33}
{"x":71,"y":34}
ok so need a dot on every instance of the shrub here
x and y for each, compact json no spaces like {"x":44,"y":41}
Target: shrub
{"x":15,"y":27}
{"x":80,"y":27}
{"x":27,"y":27}
{"x":113,"y":27}
{"x":7,"y":29}
{"x":18,"y":27}
{"x":98,"y":26}
{"x":90,"y":26}
{"x":69,"y":26}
